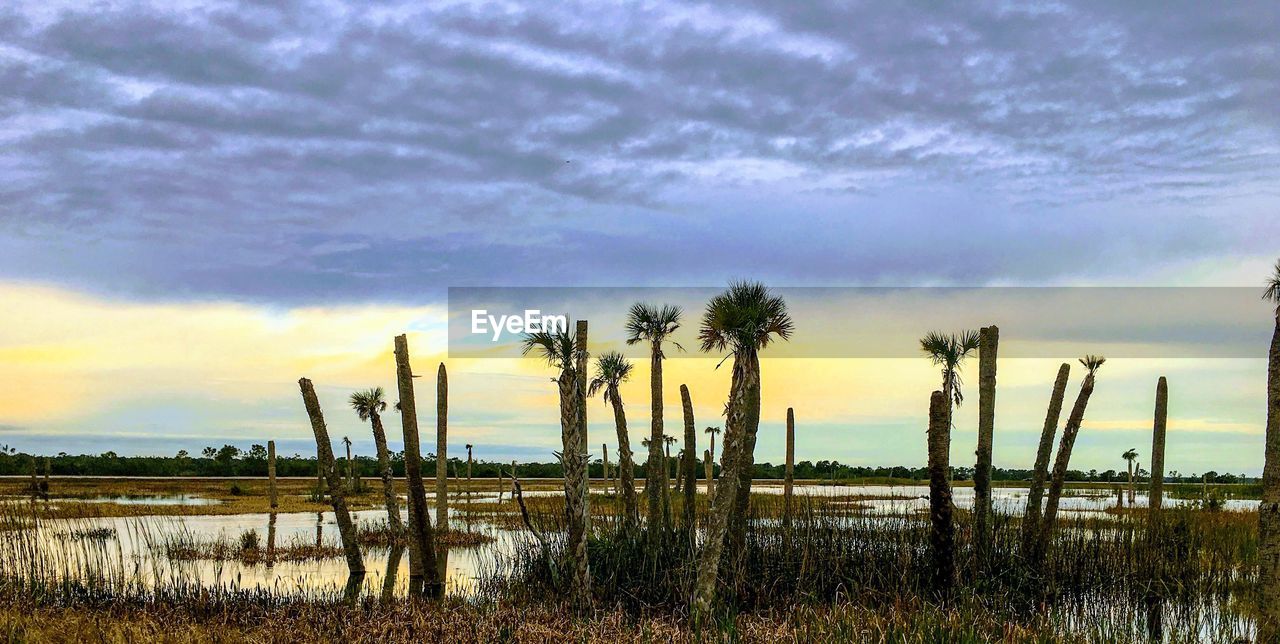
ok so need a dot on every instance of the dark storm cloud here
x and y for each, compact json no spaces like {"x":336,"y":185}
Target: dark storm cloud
{"x":311,"y":150}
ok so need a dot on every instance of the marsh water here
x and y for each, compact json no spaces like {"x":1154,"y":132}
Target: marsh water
{"x":137,"y":544}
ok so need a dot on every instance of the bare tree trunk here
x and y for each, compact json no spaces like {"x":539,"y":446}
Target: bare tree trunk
{"x":442,"y":449}
{"x":388,"y":475}
{"x":271,"y":474}
{"x":573,"y":420}
{"x":422,"y":552}
{"x":1269,"y":510}
{"x":604,"y":447}
{"x":689,"y":464}
{"x":346,"y":528}
{"x":740,"y":399}
{"x":1155,"y":495}
{"x":1031,"y":519}
{"x":626,"y":462}
{"x":789,"y":473}
{"x":1060,"y":463}
{"x":942,"y":531}
{"x":988,"y":344}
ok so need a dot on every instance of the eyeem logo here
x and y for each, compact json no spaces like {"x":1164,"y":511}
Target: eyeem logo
{"x":533,"y":321}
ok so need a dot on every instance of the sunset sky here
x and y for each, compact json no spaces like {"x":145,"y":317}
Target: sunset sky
{"x":201,"y":202}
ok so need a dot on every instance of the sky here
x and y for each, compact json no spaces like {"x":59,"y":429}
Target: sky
{"x":201,"y":202}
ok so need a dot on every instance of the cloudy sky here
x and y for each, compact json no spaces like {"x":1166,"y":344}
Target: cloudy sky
{"x":200,"y":202}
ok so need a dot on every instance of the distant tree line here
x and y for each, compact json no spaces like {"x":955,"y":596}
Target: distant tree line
{"x":230,"y":460}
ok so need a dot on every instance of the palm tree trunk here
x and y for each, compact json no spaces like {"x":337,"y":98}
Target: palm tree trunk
{"x":442,"y":449}
{"x":655,"y":480}
{"x":725,"y":500}
{"x":422,"y":552}
{"x":988,"y":344}
{"x":573,"y":416}
{"x":346,"y":528}
{"x":271,"y":474}
{"x":626,"y":462}
{"x":388,"y":475}
{"x":1155,"y":497}
{"x":1031,"y":518}
{"x":747,"y":458}
{"x":789,"y":472}
{"x":689,"y":465}
{"x":942,"y":530}
{"x":1130,"y":468}
{"x":1269,"y":510}
{"x":711,"y":469}
{"x":1060,"y":464}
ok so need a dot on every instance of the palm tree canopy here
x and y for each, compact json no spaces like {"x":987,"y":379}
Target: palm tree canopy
{"x":556,"y":347}
{"x":651,"y":323}
{"x":711,"y":430}
{"x":1092,"y":363}
{"x":612,"y":369}
{"x":949,"y":350}
{"x":368,"y":403}
{"x":1130,"y":455}
{"x":1273,"y":288}
{"x":746,"y":316}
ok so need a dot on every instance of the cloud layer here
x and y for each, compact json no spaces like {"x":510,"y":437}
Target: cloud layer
{"x":320,"y":152}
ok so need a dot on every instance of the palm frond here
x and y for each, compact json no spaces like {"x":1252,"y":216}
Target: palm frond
{"x":746,"y":315}
{"x":612,"y":369}
{"x":368,"y":402}
{"x":1273,"y":288}
{"x":1092,"y":363}
{"x":556,"y":347}
{"x":648,"y":322}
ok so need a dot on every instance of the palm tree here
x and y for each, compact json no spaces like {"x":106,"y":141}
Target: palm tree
{"x":564,"y":352}
{"x":711,"y":459}
{"x":743,"y":320}
{"x":1129,"y":457}
{"x":613,"y":369}
{"x":1031,"y":519}
{"x":713,"y":432}
{"x":351,"y":477}
{"x":649,"y":323}
{"x":942,"y":529}
{"x":369,"y":405}
{"x":1091,"y":364}
{"x":1269,"y":512}
{"x":949,"y":351}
